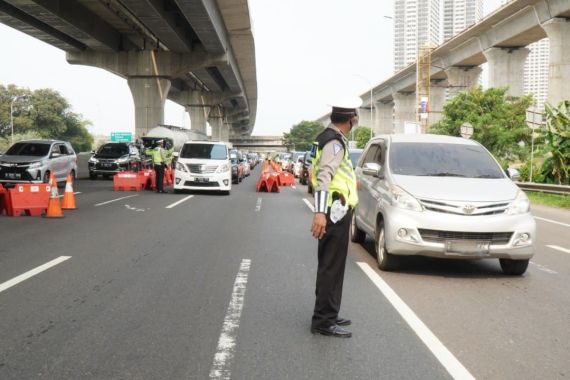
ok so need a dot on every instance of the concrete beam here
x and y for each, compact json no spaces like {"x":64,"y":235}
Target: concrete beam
{"x":506,"y":68}
{"x":462,"y":78}
{"x":558,"y":31}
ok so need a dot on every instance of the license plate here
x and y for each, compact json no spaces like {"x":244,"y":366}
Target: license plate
{"x":200,"y":179}
{"x":467,"y":247}
{"x":106,"y":165}
{"x":13,"y":175}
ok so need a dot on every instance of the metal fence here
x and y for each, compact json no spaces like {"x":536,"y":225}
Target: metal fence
{"x":544,"y":188}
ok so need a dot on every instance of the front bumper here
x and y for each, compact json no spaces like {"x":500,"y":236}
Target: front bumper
{"x":192,"y":181}
{"x":442,"y":235}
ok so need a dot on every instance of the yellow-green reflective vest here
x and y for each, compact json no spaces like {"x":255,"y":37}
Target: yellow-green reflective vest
{"x":344,"y":180}
{"x":155,"y":154}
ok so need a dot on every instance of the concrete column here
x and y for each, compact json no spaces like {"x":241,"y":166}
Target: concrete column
{"x":365,"y":117}
{"x":558,"y":32}
{"x":149,"y":95}
{"x":404,"y":110}
{"x":437,"y":96}
{"x":384,"y":118}
{"x":225,"y":132}
{"x":462,"y":79}
{"x":216,"y":122}
{"x":198,"y":112}
{"x":506,"y":68}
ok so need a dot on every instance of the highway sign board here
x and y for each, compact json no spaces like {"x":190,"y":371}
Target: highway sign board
{"x":121,"y":136}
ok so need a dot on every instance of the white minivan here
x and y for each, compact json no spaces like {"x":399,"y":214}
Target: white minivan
{"x":440,"y":196}
{"x":203,"y":165}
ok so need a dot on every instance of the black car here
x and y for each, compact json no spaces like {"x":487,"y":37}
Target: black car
{"x":112,"y":158}
{"x":304,"y":176}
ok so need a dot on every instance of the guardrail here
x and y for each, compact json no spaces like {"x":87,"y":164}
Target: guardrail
{"x":544,"y":188}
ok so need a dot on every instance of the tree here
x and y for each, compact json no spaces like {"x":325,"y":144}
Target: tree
{"x":362,"y":135}
{"x":45,"y":113}
{"x":498,"y":121}
{"x":302,"y":135}
{"x":556,"y":167}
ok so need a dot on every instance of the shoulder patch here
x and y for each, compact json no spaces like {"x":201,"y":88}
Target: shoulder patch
{"x":336,"y":148}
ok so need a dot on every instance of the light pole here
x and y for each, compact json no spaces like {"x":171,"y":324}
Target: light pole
{"x":23,"y":97}
{"x":534,"y":120}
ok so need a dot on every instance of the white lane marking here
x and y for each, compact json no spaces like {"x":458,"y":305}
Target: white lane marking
{"x":552,"y":221}
{"x":309,"y":205}
{"x":62,"y":195}
{"x":31,"y":273}
{"x":129,"y":207}
{"x":180,"y":201}
{"x":445,"y":357}
{"x":293,"y":186}
{"x":227,"y":342}
{"x":543,"y":268}
{"x":258,"y":204}
{"x":559,"y":248}
{"x":115,"y":200}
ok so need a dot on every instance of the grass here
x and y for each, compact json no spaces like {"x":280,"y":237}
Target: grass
{"x":546,"y":199}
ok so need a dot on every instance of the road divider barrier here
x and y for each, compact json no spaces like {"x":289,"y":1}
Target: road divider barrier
{"x":26,"y":199}
{"x":272,"y":177}
{"x":127,"y":181}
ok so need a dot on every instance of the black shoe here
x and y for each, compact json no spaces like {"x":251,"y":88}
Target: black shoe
{"x":334,"y":330}
{"x":343,"y":322}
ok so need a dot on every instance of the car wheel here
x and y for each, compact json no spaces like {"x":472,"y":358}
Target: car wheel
{"x":106,"y":176}
{"x":72,"y":174}
{"x":92,"y":176}
{"x":386,"y":261}
{"x":309,"y":189}
{"x":356,"y":234}
{"x":46,"y":178}
{"x":513,"y":267}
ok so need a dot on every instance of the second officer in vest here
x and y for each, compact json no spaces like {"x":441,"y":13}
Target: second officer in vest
{"x":335,"y":198}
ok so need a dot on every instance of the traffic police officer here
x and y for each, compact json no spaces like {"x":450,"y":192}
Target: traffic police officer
{"x":335,"y":198}
{"x":159,"y":160}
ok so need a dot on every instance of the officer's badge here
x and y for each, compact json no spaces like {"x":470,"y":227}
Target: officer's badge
{"x":336,"y":148}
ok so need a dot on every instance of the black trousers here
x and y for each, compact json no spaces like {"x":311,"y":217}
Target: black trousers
{"x":159,"y":169}
{"x":333,"y":249}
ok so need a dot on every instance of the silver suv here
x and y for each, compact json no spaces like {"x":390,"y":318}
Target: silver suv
{"x":35,"y":160}
{"x":440,"y":196}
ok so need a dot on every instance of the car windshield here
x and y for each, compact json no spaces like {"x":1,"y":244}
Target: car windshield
{"x":354,"y":157}
{"x":204,"y":151}
{"x":442,"y":160}
{"x":113,"y":150}
{"x":28,"y":149}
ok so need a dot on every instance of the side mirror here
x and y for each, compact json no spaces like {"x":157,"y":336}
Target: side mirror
{"x":373,"y":169}
{"x":55,"y":155}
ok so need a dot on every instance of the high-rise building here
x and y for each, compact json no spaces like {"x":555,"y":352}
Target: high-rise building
{"x":459,"y":15}
{"x":536,"y":71}
{"x":416,"y":23}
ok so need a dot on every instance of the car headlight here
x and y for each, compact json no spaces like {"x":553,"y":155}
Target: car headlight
{"x":223,"y":168}
{"x":181,"y":167}
{"x":35,"y":165}
{"x":93,"y":160}
{"x":123,"y":159}
{"x":520,"y":205}
{"x":402,"y":199}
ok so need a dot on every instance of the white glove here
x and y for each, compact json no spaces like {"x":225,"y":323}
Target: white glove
{"x":338,"y":211}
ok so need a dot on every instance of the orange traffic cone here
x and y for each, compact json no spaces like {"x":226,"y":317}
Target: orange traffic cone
{"x":54,"y":205}
{"x":68,"y":196}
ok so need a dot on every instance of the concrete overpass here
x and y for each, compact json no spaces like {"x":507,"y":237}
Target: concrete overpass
{"x":500,"y":40}
{"x":198,"y":53}
{"x":261,"y":144}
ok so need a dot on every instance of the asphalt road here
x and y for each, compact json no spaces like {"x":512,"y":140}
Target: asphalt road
{"x":223,"y":287}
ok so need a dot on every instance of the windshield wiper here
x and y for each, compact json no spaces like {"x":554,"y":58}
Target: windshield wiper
{"x":442,"y":174}
{"x":487,"y":176}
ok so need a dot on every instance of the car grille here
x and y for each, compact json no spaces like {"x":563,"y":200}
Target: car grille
{"x":107,"y":165}
{"x":15,"y":173}
{"x":436,"y":236}
{"x":201,"y":184}
{"x":202,"y":169}
{"x":465,"y":208}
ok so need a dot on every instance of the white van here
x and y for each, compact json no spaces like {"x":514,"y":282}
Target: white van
{"x":203,"y":165}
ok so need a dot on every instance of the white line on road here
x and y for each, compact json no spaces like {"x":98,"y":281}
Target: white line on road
{"x":258,"y":204}
{"x":115,"y":200}
{"x":31,"y":273}
{"x":552,"y":221}
{"x":293,"y":187}
{"x":180,"y":201}
{"x":445,"y":357}
{"x":559,"y":248}
{"x":227,"y":342}
{"x":309,"y":205}
{"x":62,"y":195}
{"x":543,"y":268}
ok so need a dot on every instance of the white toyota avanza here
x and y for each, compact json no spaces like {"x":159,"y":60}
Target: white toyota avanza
{"x":203,"y":165}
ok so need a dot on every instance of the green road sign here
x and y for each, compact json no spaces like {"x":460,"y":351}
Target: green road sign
{"x":121,"y":136}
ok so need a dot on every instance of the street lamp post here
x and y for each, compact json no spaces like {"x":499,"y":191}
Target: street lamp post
{"x":534,"y":120}
{"x":12,"y":114}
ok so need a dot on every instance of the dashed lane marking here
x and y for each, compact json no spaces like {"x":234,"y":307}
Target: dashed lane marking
{"x":258,"y":204}
{"x":543,"y":268}
{"x":31,"y":273}
{"x":62,"y":195}
{"x":227,"y":342}
{"x":552,"y":221}
{"x":445,"y":357}
{"x":309,"y":205}
{"x":115,"y":200}
{"x":559,"y":248}
{"x":180,"y":201}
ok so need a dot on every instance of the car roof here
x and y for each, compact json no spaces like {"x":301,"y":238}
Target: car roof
{"x":206,"y":142}
{"x":425,"y":138}
{"x":41,"y":141}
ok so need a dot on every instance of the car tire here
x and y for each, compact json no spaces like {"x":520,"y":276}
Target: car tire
{"x":309,"y":189}
{"x":92,"y":176}
{"x":385,"y":260}
{"x":46,"y":178}
{"x":513,"y":267}
{"x":356,"y":234}
{"x":72,"y":174}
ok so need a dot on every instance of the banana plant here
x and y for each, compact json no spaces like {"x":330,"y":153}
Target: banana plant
{"x":557,"y":142}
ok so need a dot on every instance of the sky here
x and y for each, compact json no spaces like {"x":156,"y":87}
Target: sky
{"x":307,"y":53}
